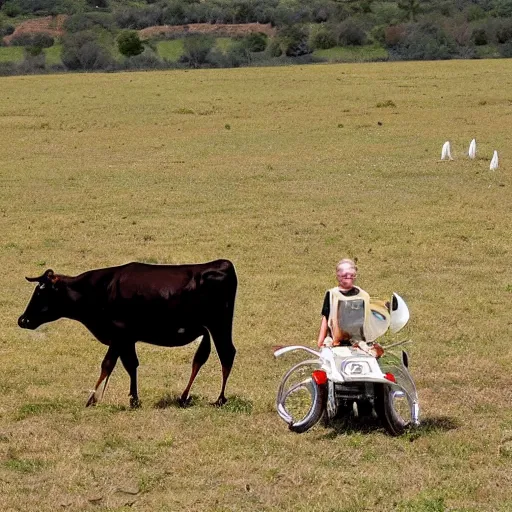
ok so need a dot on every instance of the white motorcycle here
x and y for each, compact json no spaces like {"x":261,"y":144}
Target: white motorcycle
{"x":360,"y":379}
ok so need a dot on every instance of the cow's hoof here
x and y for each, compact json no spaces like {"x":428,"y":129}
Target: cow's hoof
{"x":92,"y":400}
{"x":184,"y":402}
{"x":220,"y":401}
{"x":135,"y":403}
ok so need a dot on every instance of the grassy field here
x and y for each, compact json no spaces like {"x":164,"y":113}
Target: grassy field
{"x":284,"y":171}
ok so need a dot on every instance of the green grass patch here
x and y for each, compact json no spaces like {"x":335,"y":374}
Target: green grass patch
{"x":171,"y":49}
{"x":11,"y":53}
{"x":352,"y":53}
{"x":53,"y":54}
{"x":38,"y":408}
{"x":26,"y":466}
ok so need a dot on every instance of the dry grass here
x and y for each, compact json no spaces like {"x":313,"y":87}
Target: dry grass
{"x":98,"y":170}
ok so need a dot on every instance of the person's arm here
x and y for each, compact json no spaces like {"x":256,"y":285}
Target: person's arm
{"x":323,"y":332}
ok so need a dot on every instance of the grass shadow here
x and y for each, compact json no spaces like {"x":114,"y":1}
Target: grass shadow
{"x":174,"y":401}
{"x":234,"y":404}
{"x":368,"y":424}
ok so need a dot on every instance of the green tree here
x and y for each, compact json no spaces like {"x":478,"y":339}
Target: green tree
{"x":411,"y":8}
{"x":196,"y":49}
{"x":129,"y":43}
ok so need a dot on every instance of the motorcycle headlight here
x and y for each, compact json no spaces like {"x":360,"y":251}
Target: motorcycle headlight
{"x":354,"y":368}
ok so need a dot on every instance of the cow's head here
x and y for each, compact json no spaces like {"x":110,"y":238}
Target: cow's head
{"x":47,"y":302}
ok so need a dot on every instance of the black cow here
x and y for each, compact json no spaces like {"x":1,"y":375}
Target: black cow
{"x":167,"y":305}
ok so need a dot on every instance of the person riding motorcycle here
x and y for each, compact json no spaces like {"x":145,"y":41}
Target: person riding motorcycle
{"x":347,"y":315}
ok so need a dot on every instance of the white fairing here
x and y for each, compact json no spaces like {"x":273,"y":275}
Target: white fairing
{"x":399,"y":313}
{"x":446,"y":153}
{"x":494,"y":161}
{"x":472,"y":149}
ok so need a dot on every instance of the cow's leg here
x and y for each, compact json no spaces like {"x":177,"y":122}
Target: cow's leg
{"x":130,"y":362}
{"x":200,"y":357}
{"x":107,"y":366}
{"x":223,"y":340}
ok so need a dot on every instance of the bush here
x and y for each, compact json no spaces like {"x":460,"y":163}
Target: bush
{"x":87,"y":21}
{"x":505,"y":50}
{"x":349,"y":33}
{"x":386,"y":13}
{"x":274,"y":48}
{"x":323,"y":39}
{"x":293,"y":41}
{"x":82,"y":51}
{"x":148,"y":59}
{"x":255,"y":42}
{"x":378,"y":34}
{"x":40,"y":39}
{"x":395,"y":35}
{"x":129,"y":43}
{"x":237,"y":55}
{"x":479,"y":36}
{"x":7,"y":30}
{"x":137,"y":18}
{"x":34,"y":60}
{"x":503,"y":8}
{"x":15,"y":8}
{"x":504,"y":31}
{"x":474,"y":13}
{"x":196,"y":49}
{"x":424,"y":41}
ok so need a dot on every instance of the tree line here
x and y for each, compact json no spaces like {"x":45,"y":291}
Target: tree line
{"x":97,"y":30}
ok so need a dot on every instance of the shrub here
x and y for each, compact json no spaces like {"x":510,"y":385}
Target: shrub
{"x":6,"y":30}
{"x":349,"y":33}
{"x":136,"y":18}
{"x":424,"y":41}
{"x":378,"y":34}
{"x":293,"y":40}
{"x":395,"y":35}
{"x":39,"y":39}
{"x":129,"y":43}
{"x":504,"y":31}
{"x":196,"y":49}
{"x":505,"y":50}
{"x":503,"y":8}
{"x":274,"y":48}
{"x":148,"y":59}
{"x":83,"y":51}
{"x":323,"y":39}
{"x":35,"y":59}
{"x":386,"y":13}
{"x":479,"y":36}
{"x":87,"y":21}
{"x":255,"y":42}
{"x":474,"y":12}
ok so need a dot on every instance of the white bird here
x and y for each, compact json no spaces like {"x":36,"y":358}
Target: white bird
{"x":446,"y":152}
{"x":472,"y":149}
{"x":494,"y":161}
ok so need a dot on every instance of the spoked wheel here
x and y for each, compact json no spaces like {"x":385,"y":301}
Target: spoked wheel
{"x":300,"y":400}
{"x":393,"y":409}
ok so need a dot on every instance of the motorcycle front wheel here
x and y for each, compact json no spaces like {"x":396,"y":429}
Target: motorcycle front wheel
{"x":392,"y":408}
{"x":302,"y":399}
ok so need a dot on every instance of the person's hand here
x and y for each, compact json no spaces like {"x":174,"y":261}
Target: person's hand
{"x":327,"y":342}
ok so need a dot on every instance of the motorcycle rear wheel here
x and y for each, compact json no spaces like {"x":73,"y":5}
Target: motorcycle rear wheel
{"x":390,"y":409}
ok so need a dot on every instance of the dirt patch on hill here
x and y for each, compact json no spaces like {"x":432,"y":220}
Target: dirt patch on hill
{"x":219,"y":30}
{"x":54,"y":26}
{"x":51,"y":25}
